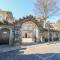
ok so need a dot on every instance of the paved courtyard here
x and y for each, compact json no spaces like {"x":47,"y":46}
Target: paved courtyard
{"x":34,"y":52}
{"x":14,"y":55}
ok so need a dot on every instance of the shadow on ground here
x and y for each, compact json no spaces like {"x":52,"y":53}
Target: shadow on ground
{"x":18,"y":55}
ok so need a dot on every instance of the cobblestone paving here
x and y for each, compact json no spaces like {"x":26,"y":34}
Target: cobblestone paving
{"x":16,"y":55}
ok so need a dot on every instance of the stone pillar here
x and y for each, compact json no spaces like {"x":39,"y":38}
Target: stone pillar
{"x":39,"y":36}
{"x":59,"y":36}
{"x":11,"y":38}
{"x":48,"y":36}
{"x":42,"y":40}
{"x":20,"y":38}
{"x":52,"y":37}
{"x":44,"y":23}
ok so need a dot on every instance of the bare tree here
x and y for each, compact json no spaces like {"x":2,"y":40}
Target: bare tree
{"x":46,"y":8}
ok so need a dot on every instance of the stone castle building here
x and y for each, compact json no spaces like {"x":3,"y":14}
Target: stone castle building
{"x":32,"y":31}
{"x":6,"y":16}
{"x":6,"y":31}
{"x":26,"y":30}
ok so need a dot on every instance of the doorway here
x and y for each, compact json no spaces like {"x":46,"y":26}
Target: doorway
{"x":4,"y":36}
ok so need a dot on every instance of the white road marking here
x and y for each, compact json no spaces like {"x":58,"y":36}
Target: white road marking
{"x":45,"y":57}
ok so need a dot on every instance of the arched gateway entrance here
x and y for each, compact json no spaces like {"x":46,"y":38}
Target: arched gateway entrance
{"x":4,"y":36}
{"x":29,"y":31}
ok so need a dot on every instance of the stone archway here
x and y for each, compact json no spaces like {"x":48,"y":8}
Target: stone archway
{"x":7,"y":33}
{"x":4,"y":36}
{"x":33,"y":23}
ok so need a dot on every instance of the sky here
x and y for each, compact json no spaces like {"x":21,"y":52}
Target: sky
{"x":21,"y":8}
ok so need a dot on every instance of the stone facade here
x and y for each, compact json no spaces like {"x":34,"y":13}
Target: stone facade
{"x":52,"y":35}
{"x":40,"y":35}
{"x":6,"y":16}
{"x":6,"y":32}
{"x":29,"y":30}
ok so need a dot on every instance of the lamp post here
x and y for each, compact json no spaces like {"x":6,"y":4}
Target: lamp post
{"x":41,"y":31}
{"x":14,"y":30}
{"x":48,"y":31}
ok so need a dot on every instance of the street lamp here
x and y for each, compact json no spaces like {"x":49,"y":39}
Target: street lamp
{"x":48,"y":31}
{"x":14,"y":29}
{"x":41,"y":31}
